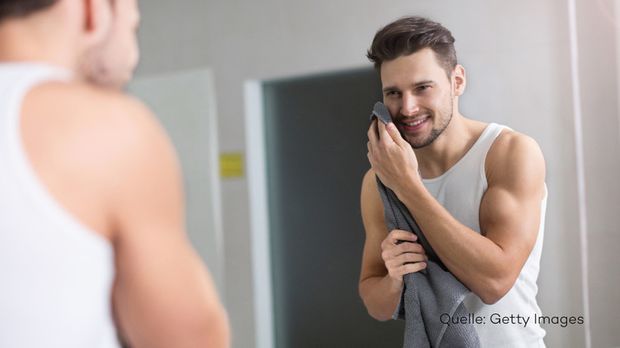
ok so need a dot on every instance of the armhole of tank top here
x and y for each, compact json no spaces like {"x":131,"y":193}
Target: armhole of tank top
{"x":25,"y":174}
{"x":483,"y":170}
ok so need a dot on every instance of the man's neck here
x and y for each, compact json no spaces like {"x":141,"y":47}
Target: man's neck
{"x":453,"y":143}
{"x":21,"y":42}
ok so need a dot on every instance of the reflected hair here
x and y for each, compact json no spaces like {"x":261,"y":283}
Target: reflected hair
{"x":22,"y":8}
{"x":408,"y":35}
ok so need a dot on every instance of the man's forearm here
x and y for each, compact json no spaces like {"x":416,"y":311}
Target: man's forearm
{"x":474,"y":259}
{"x":381,"y":296}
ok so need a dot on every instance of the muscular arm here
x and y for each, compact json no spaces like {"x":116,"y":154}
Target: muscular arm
{"x":489,"y":263}
{"x":379,"y":289}
{"x":163,"y":295}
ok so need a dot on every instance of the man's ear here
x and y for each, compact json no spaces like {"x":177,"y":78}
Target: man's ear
{"x":97,"y":19}
{"x":460,"y":81}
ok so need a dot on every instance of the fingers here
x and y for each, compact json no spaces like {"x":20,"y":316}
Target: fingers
{"x":388,"y":133}
{"x":384,"y":136}
{"x":409,"y":248}
{"x":396,"y":251}
{"x":395,"y":134}
{"x":372,"y":140}
{"x":393,"y":246}
{"x":399,"y":235}
{"x":370,"y":155}
{"x":372,"y":131}
{"x":408,"y":268}
{"x":405,"y":264}
{"x":378,"y":133}
{"x":404,"y":259}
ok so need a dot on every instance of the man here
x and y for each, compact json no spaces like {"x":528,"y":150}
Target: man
{"x":476,"y":190}
{"x":92,"y":236}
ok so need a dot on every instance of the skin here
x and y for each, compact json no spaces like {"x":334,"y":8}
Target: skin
{"x":416,"y":86}
{"x":85,"y":133}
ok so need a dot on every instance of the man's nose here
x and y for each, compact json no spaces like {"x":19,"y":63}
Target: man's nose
{"x":409,"y":105}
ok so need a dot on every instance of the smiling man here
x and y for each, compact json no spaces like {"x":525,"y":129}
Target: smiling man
{"x":476,"y":190}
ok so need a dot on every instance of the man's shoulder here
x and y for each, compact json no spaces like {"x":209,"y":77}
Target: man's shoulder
{"x":85,"y":116}
{"x":512,"y":143}
{"x":512,"y":156}
{"x":103,"y":131}
{"x":81,"y":103}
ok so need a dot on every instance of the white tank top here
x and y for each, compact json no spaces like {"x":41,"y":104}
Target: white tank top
{"x":460,"y":191}
{"x":56,"y":275}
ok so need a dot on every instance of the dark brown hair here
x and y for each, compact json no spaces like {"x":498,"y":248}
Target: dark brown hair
{"x":22,"y":8}
{"x":408,"y":35}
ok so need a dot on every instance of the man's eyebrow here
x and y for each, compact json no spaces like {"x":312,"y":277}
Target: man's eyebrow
{"x":417,"y":84}
{"x":390,"y":89}
{"x":425,"y":82}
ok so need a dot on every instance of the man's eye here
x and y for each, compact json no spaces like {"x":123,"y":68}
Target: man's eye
{"x":423,"y":88}
{"x":392,"y":93}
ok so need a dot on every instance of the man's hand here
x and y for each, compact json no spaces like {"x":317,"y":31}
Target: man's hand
{"x":402,"y":255}
{"x":391,"y":156}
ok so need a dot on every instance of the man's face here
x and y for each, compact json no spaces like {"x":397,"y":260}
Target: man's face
{"x":419,"y":95}
{"x":113,"y":62}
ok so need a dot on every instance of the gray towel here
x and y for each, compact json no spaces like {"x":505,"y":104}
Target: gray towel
{"x":430,"y":293}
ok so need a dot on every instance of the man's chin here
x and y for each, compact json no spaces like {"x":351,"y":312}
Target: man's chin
{"x":418,"y":142}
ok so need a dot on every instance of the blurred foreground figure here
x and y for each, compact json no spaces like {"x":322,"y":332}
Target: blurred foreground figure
{"x":92,"y":237}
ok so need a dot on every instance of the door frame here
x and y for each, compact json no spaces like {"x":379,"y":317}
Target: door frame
{"x":259,"y":214}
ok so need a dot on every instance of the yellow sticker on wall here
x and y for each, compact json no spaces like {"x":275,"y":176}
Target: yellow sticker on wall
{"x":231,"y":165}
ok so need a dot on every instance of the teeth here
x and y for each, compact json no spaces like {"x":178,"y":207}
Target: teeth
{"x":414,"y":123}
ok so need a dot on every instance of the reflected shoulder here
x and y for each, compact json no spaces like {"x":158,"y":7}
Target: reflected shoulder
{"x":515,"y":159}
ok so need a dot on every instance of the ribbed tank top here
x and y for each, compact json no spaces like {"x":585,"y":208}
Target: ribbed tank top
{"x":460,"y":191}
{"x":56,"y":275}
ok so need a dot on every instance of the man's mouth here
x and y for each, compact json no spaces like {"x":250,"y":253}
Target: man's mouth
{"x":410,"y":125}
